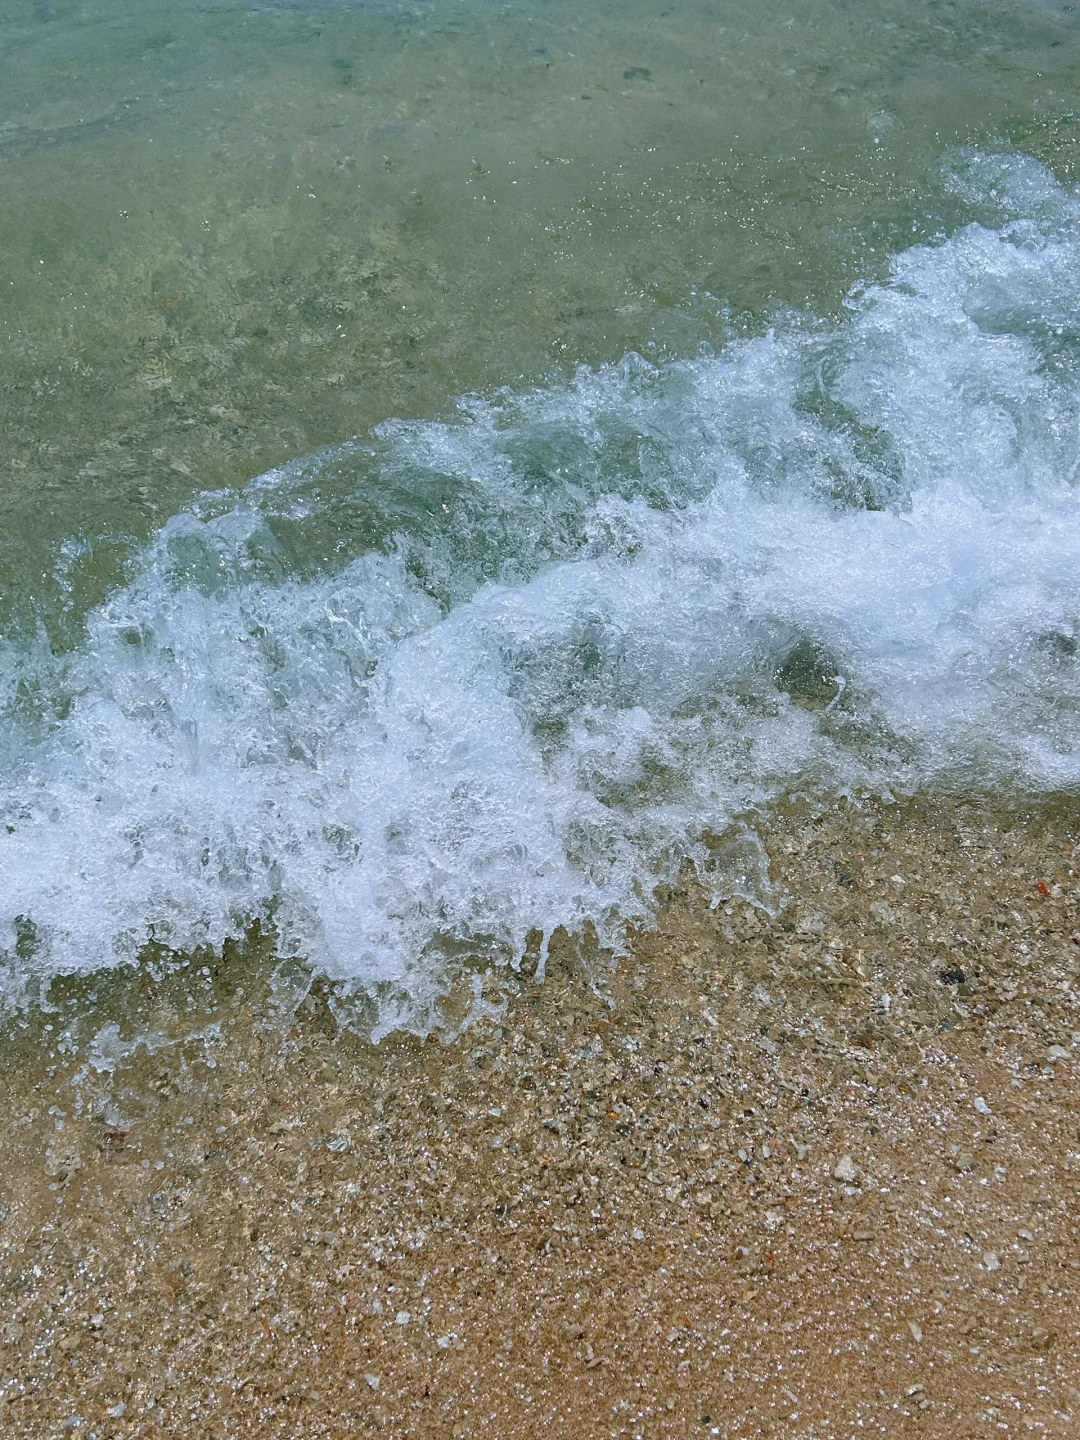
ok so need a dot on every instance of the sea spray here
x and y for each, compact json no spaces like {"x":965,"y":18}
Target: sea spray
{"x":446,"y":689}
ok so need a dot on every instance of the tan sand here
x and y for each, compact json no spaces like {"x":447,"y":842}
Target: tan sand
{"x":812,"y":1175}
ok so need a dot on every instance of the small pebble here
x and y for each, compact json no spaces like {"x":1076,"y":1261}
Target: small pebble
{"x":846,"y":1170}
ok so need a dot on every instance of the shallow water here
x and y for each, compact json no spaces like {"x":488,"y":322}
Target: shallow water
{"x":454,"y":672}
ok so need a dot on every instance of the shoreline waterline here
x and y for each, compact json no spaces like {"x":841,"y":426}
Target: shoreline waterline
{"x":539,"y":697}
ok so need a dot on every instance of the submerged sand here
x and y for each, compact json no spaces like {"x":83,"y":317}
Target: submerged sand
{"x":806,"y":1174}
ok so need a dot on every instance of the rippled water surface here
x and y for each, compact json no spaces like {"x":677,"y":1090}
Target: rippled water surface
{"x":461,"y":459}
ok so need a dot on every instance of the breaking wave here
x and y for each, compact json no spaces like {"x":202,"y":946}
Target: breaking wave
{"x":445,"y":690}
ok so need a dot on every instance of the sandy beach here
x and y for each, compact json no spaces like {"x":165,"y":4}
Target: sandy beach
{"x":811,"y":1173}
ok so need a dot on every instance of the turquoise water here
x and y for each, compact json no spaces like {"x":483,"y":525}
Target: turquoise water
{"x":457,"y":457}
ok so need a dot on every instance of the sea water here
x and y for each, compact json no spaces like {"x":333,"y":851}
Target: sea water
{"x":465,"y":462}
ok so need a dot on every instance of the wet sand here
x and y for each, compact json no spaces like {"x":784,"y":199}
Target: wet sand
{"x":806,"y":1174}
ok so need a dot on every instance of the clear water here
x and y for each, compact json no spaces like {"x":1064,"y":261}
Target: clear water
{"x":462,"y":458}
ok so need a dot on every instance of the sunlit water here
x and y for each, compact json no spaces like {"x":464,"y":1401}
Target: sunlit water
{"x":655,"y":412}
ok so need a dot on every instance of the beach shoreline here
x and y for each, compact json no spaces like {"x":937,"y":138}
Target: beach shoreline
{"x":805,"y":1173}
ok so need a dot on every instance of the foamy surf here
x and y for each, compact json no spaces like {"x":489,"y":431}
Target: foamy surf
{"x":447,"y":690}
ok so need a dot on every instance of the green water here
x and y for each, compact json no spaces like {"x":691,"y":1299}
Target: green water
{"x":231,"y":234}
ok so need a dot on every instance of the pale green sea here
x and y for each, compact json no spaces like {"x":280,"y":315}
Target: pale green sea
{"x":230,"y":234}
{"x":461,"y":682}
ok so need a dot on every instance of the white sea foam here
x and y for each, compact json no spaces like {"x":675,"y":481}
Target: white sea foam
{"x":581,"y":629}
